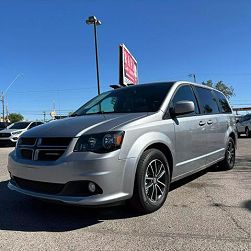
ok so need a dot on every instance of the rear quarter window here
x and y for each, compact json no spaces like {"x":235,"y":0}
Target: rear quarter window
{"x":223,"y":103}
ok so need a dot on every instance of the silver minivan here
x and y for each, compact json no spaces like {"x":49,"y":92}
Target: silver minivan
{"x":127,"y":144}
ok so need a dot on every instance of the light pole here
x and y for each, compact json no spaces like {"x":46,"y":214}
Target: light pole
{"x":93,"y":20}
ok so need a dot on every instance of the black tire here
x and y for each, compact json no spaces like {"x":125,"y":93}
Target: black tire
{"x":247,"y":132}
{"x":146,"y":188}
{"x":229,"y":160}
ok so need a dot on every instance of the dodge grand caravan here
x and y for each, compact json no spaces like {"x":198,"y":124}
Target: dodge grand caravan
{"x":126,"y":144}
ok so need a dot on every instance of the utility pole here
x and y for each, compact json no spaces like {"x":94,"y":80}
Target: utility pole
{"x":2,"y":100}
{"x":194,"y":77}
{"x":7,"y":110}
{"x":44,"y":113}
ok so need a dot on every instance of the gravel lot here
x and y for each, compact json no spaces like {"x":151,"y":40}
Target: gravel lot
{"x":209,"y":211}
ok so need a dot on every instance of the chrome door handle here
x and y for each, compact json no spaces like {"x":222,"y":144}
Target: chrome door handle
{"x":202,"y":123}
{"x":209,"y":122}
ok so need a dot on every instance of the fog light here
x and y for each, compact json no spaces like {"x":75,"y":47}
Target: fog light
{"x":91,"y":187}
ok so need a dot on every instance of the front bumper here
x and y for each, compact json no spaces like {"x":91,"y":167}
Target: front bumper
{"x":114,"y":176}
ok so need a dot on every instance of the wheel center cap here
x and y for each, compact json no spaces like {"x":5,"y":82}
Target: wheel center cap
{"x":154,"y":180}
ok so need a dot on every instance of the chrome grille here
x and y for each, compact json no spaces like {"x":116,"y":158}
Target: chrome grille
{"x":59,"y":142}
{"x":27,"y":141}
{"x":49,"y":154}
{"x":42,"y":149}
{"x":26,"y":153}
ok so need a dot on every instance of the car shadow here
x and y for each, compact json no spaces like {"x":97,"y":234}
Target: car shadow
{"x":188,"y":179}
{"x":247,"y":205}
{"x":22,"y":213}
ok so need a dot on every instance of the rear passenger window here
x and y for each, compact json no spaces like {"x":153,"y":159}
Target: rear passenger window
{"x":224,"y":106}
{"x":207,"y":101}
{"x":186,"y":93}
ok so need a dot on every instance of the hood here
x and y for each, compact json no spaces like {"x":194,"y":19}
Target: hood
{"x":75,"y":126}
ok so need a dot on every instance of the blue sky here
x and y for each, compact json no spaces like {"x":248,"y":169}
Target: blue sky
{"x":49,"y":42}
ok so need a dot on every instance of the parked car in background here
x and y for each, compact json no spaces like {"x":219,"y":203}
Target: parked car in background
{"x":126,"y":144}
{"x":244,"y":125}
{"x":11,"y":133}
{"x":3,"y":125}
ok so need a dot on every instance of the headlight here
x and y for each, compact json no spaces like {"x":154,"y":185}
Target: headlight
{"x":100,"y":142}
{"x":17,"y":132}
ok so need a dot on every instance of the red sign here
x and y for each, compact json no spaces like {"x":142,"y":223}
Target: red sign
{"x":129,"y":67}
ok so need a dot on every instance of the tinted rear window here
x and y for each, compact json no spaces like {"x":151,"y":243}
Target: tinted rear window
{"x":223,"y":103}
{"x":207,"y":101}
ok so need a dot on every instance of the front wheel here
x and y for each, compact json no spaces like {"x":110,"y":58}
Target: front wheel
{"x":229,"y":160}
{"x":152,"y":182}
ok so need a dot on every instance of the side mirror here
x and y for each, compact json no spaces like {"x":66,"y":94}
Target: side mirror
{"x":183,"y":107}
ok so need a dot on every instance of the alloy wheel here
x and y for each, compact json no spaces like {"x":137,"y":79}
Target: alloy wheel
{"x":231,"y":153}
{"x":247,"y":132}
{"x":155,"y":180}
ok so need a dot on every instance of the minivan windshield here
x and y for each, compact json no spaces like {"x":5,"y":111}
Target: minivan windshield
{"x":132,"y":99}
{"x":19,"y":125}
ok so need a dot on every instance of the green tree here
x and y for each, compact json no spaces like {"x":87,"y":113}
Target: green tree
{"x":227,"y":89}
{"x":15,"y":117}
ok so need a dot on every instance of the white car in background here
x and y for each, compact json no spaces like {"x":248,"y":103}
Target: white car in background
{"x":244,"y":125}
{"x":11,"y":134}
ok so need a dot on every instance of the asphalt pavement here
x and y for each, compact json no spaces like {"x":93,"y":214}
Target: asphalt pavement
{"x":208,"y":211}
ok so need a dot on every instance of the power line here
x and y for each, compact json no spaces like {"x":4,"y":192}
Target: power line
{"x":224,"y":73}
{"x":52,"y":90}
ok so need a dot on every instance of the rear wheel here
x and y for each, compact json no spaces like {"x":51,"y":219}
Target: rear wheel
{"x":151,"y":182}
{"x":229,"y":160}
{"x":247,"y":132}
